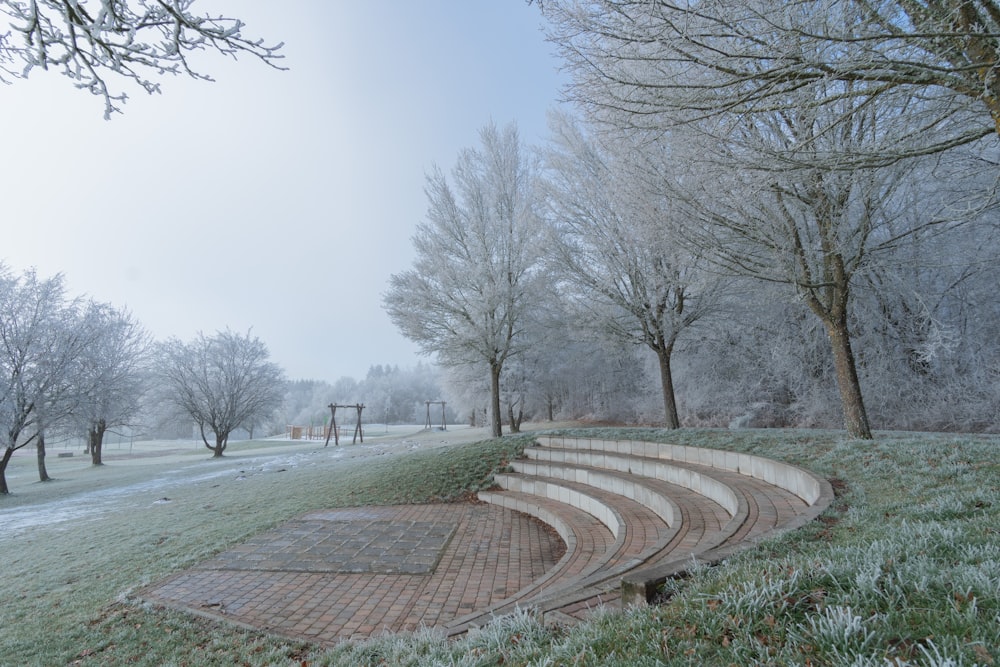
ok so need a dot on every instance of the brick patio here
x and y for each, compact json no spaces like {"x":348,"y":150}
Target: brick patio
{"x":338,"y":574}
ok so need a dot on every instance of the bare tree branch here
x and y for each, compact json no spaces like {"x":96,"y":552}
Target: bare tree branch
{"x":139,"y":40}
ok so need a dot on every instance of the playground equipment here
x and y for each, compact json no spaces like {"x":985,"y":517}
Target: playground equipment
{"x":444,"y":424}
{"x":336,"y":431}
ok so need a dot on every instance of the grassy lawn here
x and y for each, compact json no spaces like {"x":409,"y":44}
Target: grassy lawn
{"x":904,"y":568}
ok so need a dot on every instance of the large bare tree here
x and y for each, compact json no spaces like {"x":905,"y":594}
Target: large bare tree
{"x":615,"y":246}
{"x":221,"y":382}
{"x":799,"y":139}
{"x":660,"y":62}
{"x":92,"y":41}
{"x":473,"y":282}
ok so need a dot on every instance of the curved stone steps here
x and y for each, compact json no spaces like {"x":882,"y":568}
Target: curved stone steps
{"x":664,"y":505}
{"x":588,"y":542}
{"x":812,"y":489}
{"x":695,"y":478}
{"x":636,"y":528}
{"x":692,"y":522}
{"x":700,"y":524}
{"x":769,"y":505}
{"x":642,"y":534}
{"x":587,"y":539}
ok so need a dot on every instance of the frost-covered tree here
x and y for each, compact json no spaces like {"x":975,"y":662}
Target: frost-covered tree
{"x":222,"y":382}
{"x":766,"y":364}
{"x":615,"y":244}
{"x":398,"y":396}
{"x":774,"y":210}
{"x":805,"y":167}
{"x":111,"y":373}
{"x":658,"y":63}
{"x":467,"y":297}
{"x":92,"y":41}
{"x":39,"y":342}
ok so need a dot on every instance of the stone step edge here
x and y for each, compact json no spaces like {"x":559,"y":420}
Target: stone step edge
{"x":591,"y":504}
{"x":639,"y":586}
{"x":694,"y":480}
{"x":799,"y":481}
{"x":647,"y":551}
{"x":606,"y":480}
{"x":654,"y":551}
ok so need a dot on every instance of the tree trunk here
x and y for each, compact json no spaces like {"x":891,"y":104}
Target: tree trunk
{"x":831,"y":304}
{"x":667,"y":383}
{"x":220,"y":442}
{"x":220,"y":445}
{"x":96,"y":441}
{"x":855,"y":415}
{"x":8,"y":452}
{"x":495,"y":367}
{"x":43,"y":474}
{"x":514,"y":419}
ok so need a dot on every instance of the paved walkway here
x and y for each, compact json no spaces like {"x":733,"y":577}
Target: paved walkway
{"x":349,"y":573}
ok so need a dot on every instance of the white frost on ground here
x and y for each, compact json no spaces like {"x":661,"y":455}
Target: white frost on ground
{"x":91,"y":505}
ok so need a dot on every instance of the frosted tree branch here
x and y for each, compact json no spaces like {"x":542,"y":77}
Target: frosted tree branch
{"x":94,"y":41}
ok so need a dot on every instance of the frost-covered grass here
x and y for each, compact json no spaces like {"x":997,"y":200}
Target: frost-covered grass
{"x":904,"y":569}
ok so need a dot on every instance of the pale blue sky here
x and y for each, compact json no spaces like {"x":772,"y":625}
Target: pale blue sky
{"x":280,"y":201}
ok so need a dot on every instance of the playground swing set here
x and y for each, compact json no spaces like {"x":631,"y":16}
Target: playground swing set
{"x":358,"y":431}
{"x":295,"y":432}
{"x":444,"y":421}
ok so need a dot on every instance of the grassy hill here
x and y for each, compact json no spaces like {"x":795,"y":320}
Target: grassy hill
{"x":903,"y":569}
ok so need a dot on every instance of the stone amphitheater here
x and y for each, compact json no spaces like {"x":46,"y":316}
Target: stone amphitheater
{"x":574,"y":525}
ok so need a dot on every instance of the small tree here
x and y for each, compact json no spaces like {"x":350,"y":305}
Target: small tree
{"x":137,"y":40}
{"x":473,"y":282}
{"x":38,"y":345}
{"x":222,"y":382}
{"x":109,"y":373}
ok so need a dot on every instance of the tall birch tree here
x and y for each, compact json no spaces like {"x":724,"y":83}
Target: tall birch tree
{"x":473,"y":282}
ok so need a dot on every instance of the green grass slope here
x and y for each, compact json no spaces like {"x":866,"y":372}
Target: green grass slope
{"x":903,"y":569}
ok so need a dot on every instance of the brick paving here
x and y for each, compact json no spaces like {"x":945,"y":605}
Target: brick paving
{"x":340,"y":574}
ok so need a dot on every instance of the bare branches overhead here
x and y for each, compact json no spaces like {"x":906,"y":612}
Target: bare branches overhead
{"x":93,"y":42}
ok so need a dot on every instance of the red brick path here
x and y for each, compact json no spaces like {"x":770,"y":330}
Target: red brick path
{"x":338,"y":574}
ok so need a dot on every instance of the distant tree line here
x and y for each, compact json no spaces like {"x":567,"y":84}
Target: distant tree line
{"x":391,"y":395}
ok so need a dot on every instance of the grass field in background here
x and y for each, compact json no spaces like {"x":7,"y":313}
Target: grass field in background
{"x":904,"y":568}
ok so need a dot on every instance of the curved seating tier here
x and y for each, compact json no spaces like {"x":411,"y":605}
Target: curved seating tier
{"x":633,"y":513}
